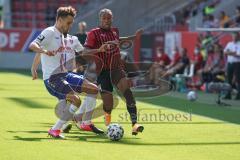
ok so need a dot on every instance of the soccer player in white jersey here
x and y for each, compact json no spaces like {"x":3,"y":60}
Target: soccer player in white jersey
{"x":57,"y":48}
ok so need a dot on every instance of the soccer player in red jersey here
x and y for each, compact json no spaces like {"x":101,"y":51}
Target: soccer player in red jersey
{"x":110,"y":68}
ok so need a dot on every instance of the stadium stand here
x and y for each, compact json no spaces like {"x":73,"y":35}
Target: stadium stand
{"x":38,"y":14}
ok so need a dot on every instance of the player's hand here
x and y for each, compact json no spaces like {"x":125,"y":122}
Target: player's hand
{"x":114,"y":44}
{"x":34,"y":74}
{"x":139,"y":32}
{"x":104,"y":48}
{"x":49,"y":53}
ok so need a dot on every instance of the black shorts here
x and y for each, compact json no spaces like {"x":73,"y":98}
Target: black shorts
{"x":106,"y":79}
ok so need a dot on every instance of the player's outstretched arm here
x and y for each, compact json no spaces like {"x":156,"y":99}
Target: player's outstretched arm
{"x":236,"y":54}
{"x":103,"y":48}
{"x":138,"y":33}
{"x":230,"y":53}
{"x":35,"y":64}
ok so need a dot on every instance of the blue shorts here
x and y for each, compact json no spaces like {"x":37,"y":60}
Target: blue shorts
{"x":59,"y":85}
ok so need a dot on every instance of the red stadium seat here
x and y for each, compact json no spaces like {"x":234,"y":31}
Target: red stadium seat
{"x":29,"y":16}
{"x":18,"y":24}
{"x":17,"y":16}
{"x":52,"y":4}
{"x":41,"y":24}
{"x":40,"y":16}
{"x":17,"y":6}
{"x":41,"y":6}
{"x":62,"y":3}
{"x":83,"y":2}
{"x":29,"y":24}
{"x":28,"y":6}
{"x":73,"y":1}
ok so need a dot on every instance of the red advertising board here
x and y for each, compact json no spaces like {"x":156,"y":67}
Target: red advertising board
{"x":13,"y":40}
{"x":146,"y":46}
{"x":158,"y":43}
{"x":189,"y":41}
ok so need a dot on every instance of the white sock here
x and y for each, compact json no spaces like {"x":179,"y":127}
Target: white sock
{"x":58,"y":125}
{"x":91,"y":103}
{"x":87,"y":122}
{"x":73,"y":108}
{"x":79,"y":113}
{"x":82,"y":108}
{"x":88,"y":104}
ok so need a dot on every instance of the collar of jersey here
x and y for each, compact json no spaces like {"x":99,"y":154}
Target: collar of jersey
{"x":58,"y":31}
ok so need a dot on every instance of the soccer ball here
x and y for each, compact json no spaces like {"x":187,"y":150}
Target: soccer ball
{"x":115,"y":132}
{"x":192,"y":96}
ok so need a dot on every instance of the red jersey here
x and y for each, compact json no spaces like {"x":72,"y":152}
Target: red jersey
{"x":176,"y":58}
{"x":108,"y":60}
{"x":199,"y":61}
{"x":163,"y":58}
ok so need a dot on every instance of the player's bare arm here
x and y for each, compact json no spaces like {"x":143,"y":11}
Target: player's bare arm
{"x":103,"y":48}
{"x":132,"y":37}
{"x":230,"y":53}
{"x":35,"y":64}
{"x":117,"y":43}
{"x":37,"y":49}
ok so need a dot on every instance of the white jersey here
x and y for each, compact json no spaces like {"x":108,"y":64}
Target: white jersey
{"x":233,"y":47}
{"x":64,"y":48}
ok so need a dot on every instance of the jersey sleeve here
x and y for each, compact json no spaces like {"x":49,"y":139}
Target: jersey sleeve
{"x":77,"y":45}
{"x":90,"y":40}
{"x":45,"y":37}
{"x":238,"y":50}
{"x":227,"y":47}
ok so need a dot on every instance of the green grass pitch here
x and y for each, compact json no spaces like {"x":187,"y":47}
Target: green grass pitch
{"x":174,"y":128}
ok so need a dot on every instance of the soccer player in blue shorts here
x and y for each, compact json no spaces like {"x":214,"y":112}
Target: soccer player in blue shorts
{"x":57,"y":51}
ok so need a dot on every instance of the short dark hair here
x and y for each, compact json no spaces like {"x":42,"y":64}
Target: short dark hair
{"x":66,"y":11}
{"x":104,"y":11}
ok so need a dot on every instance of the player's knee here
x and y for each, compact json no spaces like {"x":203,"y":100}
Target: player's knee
{"x":89,"y":88}
{"x":94,"y":89}
{"x":123,"y":85}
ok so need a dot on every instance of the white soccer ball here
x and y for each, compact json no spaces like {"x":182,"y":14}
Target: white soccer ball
{"x":115,"y":132}
{"x":192,"y":96}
